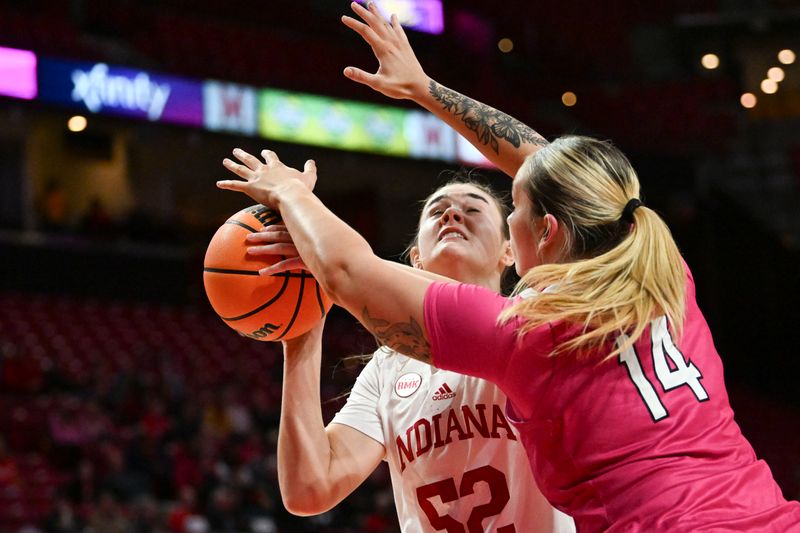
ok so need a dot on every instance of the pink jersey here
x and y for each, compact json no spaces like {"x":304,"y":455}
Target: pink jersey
{"x":645,"y":441}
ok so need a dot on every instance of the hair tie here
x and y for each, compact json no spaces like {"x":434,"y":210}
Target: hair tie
{"x":630,"y":207}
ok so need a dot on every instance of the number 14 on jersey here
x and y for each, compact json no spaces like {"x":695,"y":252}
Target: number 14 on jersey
{"x":671,"y":376}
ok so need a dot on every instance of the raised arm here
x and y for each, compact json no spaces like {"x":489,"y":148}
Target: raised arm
{"x":386,"y":297}
{"x":317,"y":466}
{"x":505,"y":141}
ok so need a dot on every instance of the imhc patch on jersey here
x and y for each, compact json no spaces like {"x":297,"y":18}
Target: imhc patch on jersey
{"x":407,"y":384}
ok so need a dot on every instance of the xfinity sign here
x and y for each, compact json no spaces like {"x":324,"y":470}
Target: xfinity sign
{"x":102,"y":88}
{"x":98,"y":89}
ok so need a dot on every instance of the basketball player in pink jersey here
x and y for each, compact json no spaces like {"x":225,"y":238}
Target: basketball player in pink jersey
{"x":612,"y":378}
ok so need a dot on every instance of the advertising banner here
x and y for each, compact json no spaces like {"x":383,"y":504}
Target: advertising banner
{"x":101,"y":88}
{"x":17,"y":73}
{"x":230,"y":107}
{"x":429,"y":138}
{"x":333,"y":123}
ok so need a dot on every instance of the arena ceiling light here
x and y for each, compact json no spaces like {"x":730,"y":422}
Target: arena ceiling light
{"x":505,"y":45}
{"x":710,"y":61}
{"x":786,"y":56}
{"x":769,"y":86}
{"x":748,"y":100}
{"x":776,"y":74}
{"x":77,"y":123}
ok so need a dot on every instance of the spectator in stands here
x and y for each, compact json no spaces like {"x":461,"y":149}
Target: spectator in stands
{"x":95,"y":423}
{"x":9,"y":469}
{"x":224,"y":511}
{"x":155,"y":423}
{"x":83,"y":486}
{"x":146,"y":516}
{"x":63,"y":518}
{"x":187,"y":421}
{"x":259,"y":511}
{"x":107,"y":517}
{"x":124,"y":393}
{"x":382,"y":519}
{"x":216,"y":422}
{"x":236,"y":413}
{"x":52,"y":207}
{"x":74,"y":425}
{"x":263,"y":409}
{"x":68,"y":432}
{"x":184,"y":510}
{"x":186,"y":471}
{"x":124,"y":483}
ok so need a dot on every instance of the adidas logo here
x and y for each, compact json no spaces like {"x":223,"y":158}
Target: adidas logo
{"x":444,"y":393}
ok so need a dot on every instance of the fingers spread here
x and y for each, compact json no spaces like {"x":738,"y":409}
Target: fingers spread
{"x":363,"y":30}
{"x":372,"y":17}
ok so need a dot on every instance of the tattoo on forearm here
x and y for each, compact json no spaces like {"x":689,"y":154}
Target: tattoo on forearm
{"x":406,"y":338}
{"x":488,"y":123}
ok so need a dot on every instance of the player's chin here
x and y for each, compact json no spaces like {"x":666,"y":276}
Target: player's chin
{"x":453,"y":244}
{"x":453,"y":253}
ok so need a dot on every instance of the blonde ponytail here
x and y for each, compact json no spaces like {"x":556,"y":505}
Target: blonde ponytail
{"x":617,"y":274}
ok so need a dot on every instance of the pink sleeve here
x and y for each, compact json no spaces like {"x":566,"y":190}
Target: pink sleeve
{"x":461,"y":322}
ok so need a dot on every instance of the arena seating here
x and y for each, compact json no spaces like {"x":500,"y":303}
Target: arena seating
{"x":85,"y":380}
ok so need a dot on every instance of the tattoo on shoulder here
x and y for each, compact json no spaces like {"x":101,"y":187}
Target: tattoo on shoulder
{"x":488,"y":123}
{"x":404,"y":337}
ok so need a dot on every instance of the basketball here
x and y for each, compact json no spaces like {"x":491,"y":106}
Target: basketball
{"x":265,"y":308}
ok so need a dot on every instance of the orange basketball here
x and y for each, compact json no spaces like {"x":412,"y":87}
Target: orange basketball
{"x":265,"y":308}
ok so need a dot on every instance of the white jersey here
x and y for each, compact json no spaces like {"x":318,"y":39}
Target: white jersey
{"x":456,"y":463}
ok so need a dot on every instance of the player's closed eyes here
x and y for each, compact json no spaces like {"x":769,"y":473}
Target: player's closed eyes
{"x":439,"y":211}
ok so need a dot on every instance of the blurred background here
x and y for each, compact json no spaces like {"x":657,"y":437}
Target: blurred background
{"x":127,"y":405}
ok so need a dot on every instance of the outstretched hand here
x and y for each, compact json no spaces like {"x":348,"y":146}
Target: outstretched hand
{"x":399,"y":73}
{"x":275,"y":240}
{"x":262,"y":178}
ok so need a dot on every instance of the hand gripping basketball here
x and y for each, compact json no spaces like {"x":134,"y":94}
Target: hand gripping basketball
{"x":274,"y":240}
{"x":272,"y":307}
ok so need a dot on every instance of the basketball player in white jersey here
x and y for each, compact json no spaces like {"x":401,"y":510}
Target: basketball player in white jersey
{"x":455,"y":462}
